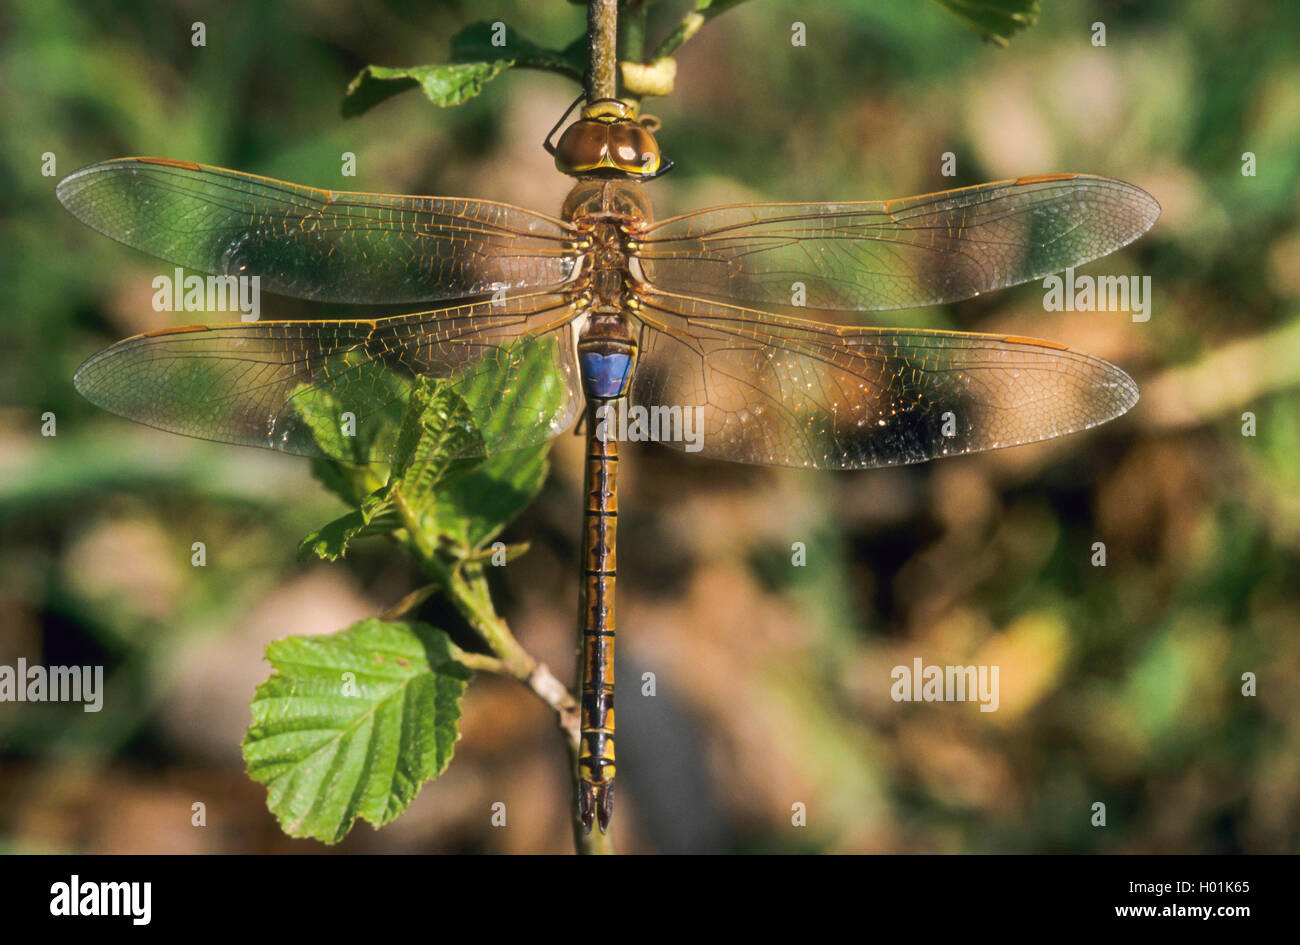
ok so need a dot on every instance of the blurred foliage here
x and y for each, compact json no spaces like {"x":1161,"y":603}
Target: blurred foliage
{"x":482,"y":51}
{"x":1120,"y":684}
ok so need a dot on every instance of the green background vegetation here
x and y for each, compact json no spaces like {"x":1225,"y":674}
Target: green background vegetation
{"x":1119,"y":685}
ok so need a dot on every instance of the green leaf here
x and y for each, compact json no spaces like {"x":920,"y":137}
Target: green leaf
{"x":437,"y":441}
{"x":351,"y":724}
{"x":485,"y":41}
{"x":351,"y":411}
{"x":475,"y":508}
{"x":479,"y":53}
{"x":350,"y":483}
{"x":321,"y":412}
{"x":440,"y":486}
{"x":995,"y":20}
{"x":436,"y":448}
{"x":330,"y":542}
{"x":445,"y":85}
{"x":524,"y":382}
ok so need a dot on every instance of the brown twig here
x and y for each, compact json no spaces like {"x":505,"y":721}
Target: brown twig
{"x":602,"y":49}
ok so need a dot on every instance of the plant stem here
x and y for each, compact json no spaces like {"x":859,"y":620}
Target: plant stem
{"x":602,"y":49}
{"x":601,"y":81}
{"x":689,"y":26}
{"x":468,"y":591}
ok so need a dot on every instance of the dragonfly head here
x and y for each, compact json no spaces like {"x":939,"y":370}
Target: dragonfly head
{"x":608,"y":140}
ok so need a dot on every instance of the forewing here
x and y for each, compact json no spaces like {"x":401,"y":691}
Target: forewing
{"x":327,"y":245}
{"x":339,"y":388}
{"x":895,"y":254}
{"x":786,"y":392}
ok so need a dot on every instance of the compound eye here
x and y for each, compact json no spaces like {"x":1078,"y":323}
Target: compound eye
{"x":582,"y":146}
{"x":633,"y":148}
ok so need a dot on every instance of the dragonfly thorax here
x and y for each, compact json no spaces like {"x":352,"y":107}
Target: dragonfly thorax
{"x":607,"y":215}
{"x":621,"y":202}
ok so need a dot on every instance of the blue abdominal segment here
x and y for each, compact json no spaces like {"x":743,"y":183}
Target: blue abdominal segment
{"x":605,"y":375}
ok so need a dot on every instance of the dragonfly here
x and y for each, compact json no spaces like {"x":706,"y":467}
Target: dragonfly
{"x":723,"y":313}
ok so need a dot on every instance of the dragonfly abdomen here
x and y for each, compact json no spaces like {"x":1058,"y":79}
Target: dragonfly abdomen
{"x":599,"y":570}
{"x":606,"y":357}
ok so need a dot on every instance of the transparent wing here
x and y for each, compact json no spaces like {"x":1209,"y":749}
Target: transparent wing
{"x":326,"y":245}
{"x":898,"y":253}
{"x":786,"y":392}
{"x":339,"y":388}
